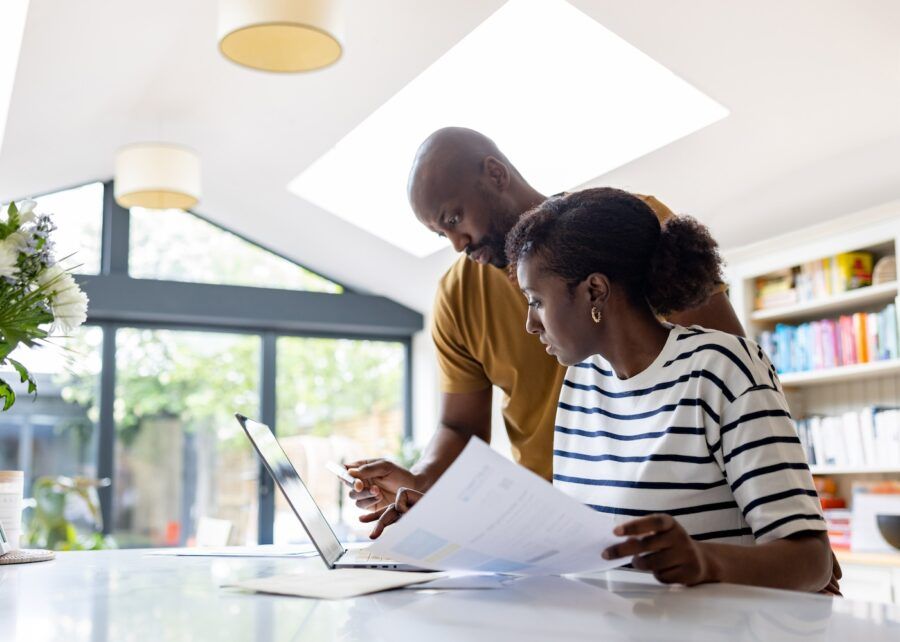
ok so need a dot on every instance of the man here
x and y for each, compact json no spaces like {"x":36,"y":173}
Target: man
{"x":462,"y":187}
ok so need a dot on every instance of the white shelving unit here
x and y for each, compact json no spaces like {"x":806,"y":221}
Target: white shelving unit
{"x":841,"y":470}
{"x":863,"y":297}
{"x":843,"y":374}
{"x":837,"y":390}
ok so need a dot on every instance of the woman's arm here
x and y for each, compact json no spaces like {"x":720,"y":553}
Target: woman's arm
{"x":658,"y":543}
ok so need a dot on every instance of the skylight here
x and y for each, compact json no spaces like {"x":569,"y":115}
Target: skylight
{"x":12,"y":26}
{"x":565,"y":99}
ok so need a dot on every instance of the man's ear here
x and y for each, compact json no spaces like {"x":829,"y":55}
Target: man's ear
{"x":598,"y":288}
{"x":496,"y":173}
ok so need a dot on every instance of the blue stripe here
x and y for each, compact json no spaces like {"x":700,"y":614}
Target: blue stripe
{"x":737,"y":532}
{"x":717,"y":348}
{"x":768,"y":499}
{"x":759,"y":414}
{"x":623,"y":483}
{"x":695,"y":374}
{"x":641,"y":415}
{"x":765,"y":470}
{"x":671,"y":430}
{"x":760,"y":388}
{"x":750,"y":445}
{"x":691,"y":333}
{"x":674,"y":512}
{"x":589,"y":366}
{"x":786,"y":520}
{"x":688,"y":459}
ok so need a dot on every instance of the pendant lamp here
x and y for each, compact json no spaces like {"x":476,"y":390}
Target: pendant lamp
{"x":157,"y":176}
{"x":281,"y":35}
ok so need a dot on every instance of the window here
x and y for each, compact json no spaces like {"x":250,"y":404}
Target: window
{"x":337,"y":400}
{"x":179,"y":464}
{"x":181,"y":458}
{"x":78,"y":215}
{"x":178,"y":246}
{"x":55,"y":432}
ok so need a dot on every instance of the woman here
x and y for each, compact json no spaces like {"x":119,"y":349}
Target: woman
{"x":684,"y":429}
{"x":684,"y":432}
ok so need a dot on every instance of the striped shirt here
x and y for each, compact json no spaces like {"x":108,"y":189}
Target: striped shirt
{"x":703,"y":434}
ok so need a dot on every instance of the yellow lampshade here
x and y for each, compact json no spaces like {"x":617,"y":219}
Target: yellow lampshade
{"x":281,"y":35}
{"x":157,"y":176}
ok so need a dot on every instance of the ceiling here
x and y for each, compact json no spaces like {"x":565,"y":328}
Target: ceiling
{"x":813,"y":89}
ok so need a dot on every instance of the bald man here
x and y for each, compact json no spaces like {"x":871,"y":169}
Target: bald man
{"x":462,"y":187}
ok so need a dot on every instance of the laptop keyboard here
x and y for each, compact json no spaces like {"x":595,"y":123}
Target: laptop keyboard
{"x":364,"y":555}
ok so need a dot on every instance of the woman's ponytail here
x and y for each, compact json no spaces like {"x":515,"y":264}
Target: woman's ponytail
{"x":685,"y":267}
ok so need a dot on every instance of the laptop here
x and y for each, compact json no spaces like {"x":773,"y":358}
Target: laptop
{"x":305,"y":508}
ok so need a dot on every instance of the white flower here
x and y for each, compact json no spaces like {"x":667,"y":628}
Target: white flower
{"x":67,"y":302}
{"x":8,"y":257}
{"x":18,"y":241}
{"x":26,"y":211}
{"x":69,"y":309}
{"x":52,"y":279}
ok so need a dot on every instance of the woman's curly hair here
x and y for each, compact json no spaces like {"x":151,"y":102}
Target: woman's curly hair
{"x":672,"y":267}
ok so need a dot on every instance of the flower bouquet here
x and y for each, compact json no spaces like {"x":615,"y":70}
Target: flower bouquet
{"x":38,"y":298}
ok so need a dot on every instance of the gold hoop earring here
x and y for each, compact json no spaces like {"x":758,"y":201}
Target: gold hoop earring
{"x":595,"y":315}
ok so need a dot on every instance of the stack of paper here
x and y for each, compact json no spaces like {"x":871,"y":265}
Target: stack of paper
{"x":488,"y":514}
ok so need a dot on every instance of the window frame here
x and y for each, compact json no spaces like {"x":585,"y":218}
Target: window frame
{"x":294,"y":314}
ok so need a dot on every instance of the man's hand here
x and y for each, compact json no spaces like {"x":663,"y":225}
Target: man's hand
{"x":377,"y":482}
{"x":405,"y":499}
{"x":661,"y":545}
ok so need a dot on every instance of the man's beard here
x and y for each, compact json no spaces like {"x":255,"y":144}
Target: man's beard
{"x":496,"y":243}
{"x":502,"y":221}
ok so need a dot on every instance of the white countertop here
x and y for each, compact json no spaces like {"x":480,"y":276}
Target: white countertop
{"x":127,"y":595}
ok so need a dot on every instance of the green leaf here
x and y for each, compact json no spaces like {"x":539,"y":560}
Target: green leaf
{"x":7,"y":394}
{"x":12,"y":224}
{"x":24,"y":374}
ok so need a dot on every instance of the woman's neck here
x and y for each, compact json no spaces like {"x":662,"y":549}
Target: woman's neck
{"x":632,"y":340}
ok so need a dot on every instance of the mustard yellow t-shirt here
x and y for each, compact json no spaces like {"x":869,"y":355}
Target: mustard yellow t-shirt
{"x":479,"y":332}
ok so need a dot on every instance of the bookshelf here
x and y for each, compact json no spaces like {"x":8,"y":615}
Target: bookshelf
{"x":841,"y":390}
{"x":869,"y":296}
{"x":842,"y":374}
{"x":850,"y":470}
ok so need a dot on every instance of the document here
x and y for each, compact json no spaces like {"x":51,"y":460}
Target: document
{"x":333,"y":584}
{"x":487,"y":514}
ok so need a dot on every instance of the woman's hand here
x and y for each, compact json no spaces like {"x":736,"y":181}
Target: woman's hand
{"x":405,"y":499}
{"x":660,"y":544}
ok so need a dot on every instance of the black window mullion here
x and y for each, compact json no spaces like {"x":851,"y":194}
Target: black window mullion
{"x":106,"y":443}
{"x":116,"y":231}
{"x":267,"y":412}
{"x":407,"y":390}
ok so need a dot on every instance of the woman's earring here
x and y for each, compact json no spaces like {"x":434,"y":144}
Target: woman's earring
{"x":595,"y":315}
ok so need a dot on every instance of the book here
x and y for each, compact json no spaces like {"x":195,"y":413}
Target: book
{"x":853,"y":270}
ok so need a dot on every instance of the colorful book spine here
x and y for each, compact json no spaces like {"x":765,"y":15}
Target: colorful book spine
{"x":869,"y":438}
{"x":862,"y":337}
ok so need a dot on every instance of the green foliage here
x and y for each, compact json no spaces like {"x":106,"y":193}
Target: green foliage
{"x":12,"y":221}
{"x":203,"y":378}
{"x":47,"y":524}
{"x":176,"y":245}
{"x":31,"y":286}
{"x":325,"y":381}
{"x":8,"y":395}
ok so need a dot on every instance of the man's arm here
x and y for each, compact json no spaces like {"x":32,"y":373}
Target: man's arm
{"x":715,"y":314}
{"x":463,"y":416}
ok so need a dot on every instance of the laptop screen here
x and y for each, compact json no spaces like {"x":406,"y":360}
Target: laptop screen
{"x":317,"y":527}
